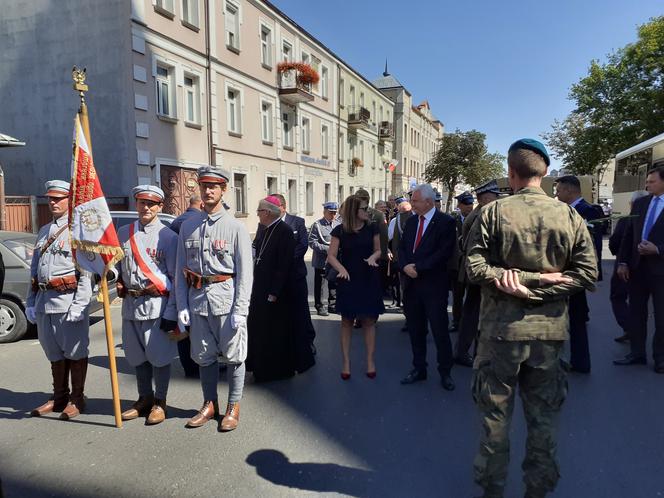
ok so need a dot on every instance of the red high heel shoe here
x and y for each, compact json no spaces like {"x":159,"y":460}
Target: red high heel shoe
{"x":371,"y":375}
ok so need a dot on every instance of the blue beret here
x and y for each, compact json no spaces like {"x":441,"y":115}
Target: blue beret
{"x":331,"y":206}
{"x":149,"y":192}
{"x":213,"y":174}
{"x":465,"y":198}
{"x":534,"y":145}
{"x":57,"y":188}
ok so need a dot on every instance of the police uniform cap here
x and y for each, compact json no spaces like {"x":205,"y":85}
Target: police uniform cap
{"x":400,"y":199}
{"x":57,"y":188}
{"x":148,"y":192}
{"x":490,"y":186}
{"x":465,"y":198}
{"x":438,"y":197}
{"x":331,"y":206}
{"x":212,"y":174}
{"x":533,"y":145}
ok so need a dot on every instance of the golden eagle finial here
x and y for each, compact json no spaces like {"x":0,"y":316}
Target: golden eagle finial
{"x":78,"y":75}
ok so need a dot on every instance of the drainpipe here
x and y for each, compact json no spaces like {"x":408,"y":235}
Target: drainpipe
{"x":208,"y":80}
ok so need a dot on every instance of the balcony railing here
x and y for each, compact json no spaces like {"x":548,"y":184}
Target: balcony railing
{"x":386,"y":131}
{"x":292,"y":89}
{"x":359,"y":117}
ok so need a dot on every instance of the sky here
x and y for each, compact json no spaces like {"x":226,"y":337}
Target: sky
{"x":501,"y":67}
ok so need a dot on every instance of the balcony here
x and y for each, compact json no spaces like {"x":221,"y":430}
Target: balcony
{"x":386,"y":131}
{"x":295,"y":82}
{"x":359,"y":118}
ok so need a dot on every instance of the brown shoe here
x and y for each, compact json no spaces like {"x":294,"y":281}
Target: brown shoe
{"x":204,"y":415}
{"x":76,"y":405}
{"x":140,"y":408}
{"x":158,"y":412}
{"x":60,"y":374}
{"x":231,"y":419}
{"x":43,"y":409}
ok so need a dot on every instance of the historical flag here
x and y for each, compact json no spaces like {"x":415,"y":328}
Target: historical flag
{"x":93,"y":236}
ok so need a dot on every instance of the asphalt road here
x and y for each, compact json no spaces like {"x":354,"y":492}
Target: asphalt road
{"x":317,"y":434}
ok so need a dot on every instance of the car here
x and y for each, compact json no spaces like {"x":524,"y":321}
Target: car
{"x":121,"y":218}
{"x":17,"y":249}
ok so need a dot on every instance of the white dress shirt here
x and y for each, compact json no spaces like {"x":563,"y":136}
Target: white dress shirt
{"x":427,"y":219}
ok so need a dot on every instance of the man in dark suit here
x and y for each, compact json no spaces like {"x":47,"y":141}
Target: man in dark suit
{"x":641,"y":264}
{"x":568,"y":190}
{"x":426,"y":246}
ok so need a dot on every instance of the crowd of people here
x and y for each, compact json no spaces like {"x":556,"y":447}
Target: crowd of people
{"x":517,"y":267}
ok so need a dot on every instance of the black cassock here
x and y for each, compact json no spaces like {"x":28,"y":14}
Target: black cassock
{"x":275,"y":350}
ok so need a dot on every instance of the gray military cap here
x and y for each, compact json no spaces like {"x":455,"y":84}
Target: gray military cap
{"x":57,"y":188}
{"x":213,"y":174}
{"x":148,"y":192}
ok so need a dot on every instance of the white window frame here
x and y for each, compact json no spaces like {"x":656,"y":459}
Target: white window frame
{"x":169,"y":80}
{"x":233,"y":6}
{"x":351,"y":95}
{"x":306,"y":134}
{"x":286,"y":43}
{"x":327,"y":190}
{"x":196,"y":91}
{"x":190,"y":13}
{"x":243,"y":192}
{"x":309,"y":193}
{"x":267,"y":121}
{"x":342,"y":92}
{"x":268,"y":190}
{"x":373,"y":156}
{"x":361,"y":99}
{"x":324,"y":140}
{"x":287,"y":130}
{"x":324,"y":81}
{"x":266,"y":46}
{"x":342,"y":146}
{"x":240,"y":105}
{"x":165,"y":7}
{"x":306,"y":57}
{"x":291,"y":198}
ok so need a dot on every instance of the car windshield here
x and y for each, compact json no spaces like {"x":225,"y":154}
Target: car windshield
{"x":22,"y":247}
{"x":127,"y":218}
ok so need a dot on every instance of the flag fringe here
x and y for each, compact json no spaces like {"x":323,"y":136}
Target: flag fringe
{"x":116,"y":252}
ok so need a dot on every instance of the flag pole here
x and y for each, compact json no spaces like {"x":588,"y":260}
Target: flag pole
{"x":81,"y":87}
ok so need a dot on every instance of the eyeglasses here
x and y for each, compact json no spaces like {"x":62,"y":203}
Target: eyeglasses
{"x":261,"y":210}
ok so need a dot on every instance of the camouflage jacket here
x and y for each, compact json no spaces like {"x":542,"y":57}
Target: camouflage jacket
{"x":534,"y":234}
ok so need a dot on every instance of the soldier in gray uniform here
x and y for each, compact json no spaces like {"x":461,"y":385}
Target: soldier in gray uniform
{"x":58,"y":303}
{"x":213,"y":282}
{"x":149,"y":313}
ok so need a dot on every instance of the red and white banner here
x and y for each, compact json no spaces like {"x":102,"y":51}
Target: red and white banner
{"x":93,"y":236}
{"x":147,"y":266}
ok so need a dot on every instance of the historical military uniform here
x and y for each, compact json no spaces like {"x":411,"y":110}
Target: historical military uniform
{"x":521,"y":339}
{"x":319,"y":241}
{"x":213,"y":286}
{"x":148,"y":308}
{"x":58,"y":302}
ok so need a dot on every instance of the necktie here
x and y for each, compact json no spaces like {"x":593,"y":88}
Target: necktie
{"x":651,"y":218}
{"x":420,"y":230}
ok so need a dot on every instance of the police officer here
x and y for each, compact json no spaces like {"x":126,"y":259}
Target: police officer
{"x":148,"y":308}
{"x":213,"y":281}
{"x":58,"y":303}
{"x":528,"y":252}
{"x":319,"y":241}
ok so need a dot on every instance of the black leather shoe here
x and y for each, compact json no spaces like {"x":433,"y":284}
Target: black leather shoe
{"x":464,"y":360}
{"x":622,"y":339}
{"x":404,"y":328}
{"x":659,"y":367}
{"x":322,"y":311}
{"x":454,"y":327}
{"x":447,"y":383}
{"x":414,"y":376}
{"x":630,"y":359}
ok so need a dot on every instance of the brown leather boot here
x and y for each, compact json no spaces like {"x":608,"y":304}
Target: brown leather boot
{"x":76,"y":405}
{"x":205,"y":414}
{"x":140,"y":408}
{"x":231,"y":419}
{"x":60,"y":398}
{"x":158,"y":412}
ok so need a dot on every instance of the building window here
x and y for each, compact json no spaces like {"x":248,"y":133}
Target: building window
{"x":342,"y":93}
{"x":286,"y":51}
{"x":373,"y":195}
{"x":325,"y":140}
{"x":287,"y":128}
{"x":165,"y":7}
{"x":373,"y":111}
{"x":361,"y":145}
{"x":266,"y":46}
{"x":310,"y":198}
{"x":233,"y":108}
{"x":165,"y":92}
{"x":266,"y":123}
{"x":361,"y":99}
{"x":306,"y":135}
{"x":292,"y":196}
{"x":324,"y":82}
{"x":352,"y":190}
{"x":380,"y":114}
{"x":328,"y":187}
{"x":342,"y":146}
{"x":341,"y":193}
{"x":192,"y":100}
{"x":232,"y":26}
{"x":272,"y":184}
{"x":240,"y":186}
{"x":351,"y":94}
{"x":190,"y":12}
{"x":305,"y":57}
{"x":373,"y":156}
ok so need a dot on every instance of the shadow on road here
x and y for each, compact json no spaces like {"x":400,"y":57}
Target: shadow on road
{"x":275,"y":467}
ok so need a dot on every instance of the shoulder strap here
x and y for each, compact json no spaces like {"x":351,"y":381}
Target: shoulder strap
{"x":51,"y":239}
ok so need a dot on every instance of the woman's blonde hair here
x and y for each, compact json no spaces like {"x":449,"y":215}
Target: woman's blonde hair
{"x":349,"y":210}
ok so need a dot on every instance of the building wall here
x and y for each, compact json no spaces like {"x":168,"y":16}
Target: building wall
{"x":41,"y":41}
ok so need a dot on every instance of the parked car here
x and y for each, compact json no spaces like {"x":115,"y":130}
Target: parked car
{"x":17,"y":249}
{"x":121,"y":218}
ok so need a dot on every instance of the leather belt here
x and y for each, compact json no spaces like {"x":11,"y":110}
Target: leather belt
{"x":197,"y":281}
{"x":150,"y":290}
{"x":60,"y":284}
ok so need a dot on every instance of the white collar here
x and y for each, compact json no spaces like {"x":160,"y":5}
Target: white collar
{"x":573,"y":204}
{"x":429,"y":214}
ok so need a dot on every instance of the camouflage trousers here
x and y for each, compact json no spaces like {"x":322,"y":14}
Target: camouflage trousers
{"x":535,"y":367}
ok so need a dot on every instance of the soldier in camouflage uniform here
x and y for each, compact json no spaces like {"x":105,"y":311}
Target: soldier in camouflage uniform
{"x":529,"y":253}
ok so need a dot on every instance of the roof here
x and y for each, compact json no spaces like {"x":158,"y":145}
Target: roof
{"x":7,"y":141}
{"x":639,"y":147}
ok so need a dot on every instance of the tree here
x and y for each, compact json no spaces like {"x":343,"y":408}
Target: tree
{"x":618,"y":104}
{"x":462,"y":157}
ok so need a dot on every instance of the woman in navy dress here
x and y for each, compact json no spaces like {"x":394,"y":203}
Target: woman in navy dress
{"x":354,"y":252}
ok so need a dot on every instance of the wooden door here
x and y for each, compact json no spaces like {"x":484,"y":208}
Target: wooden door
{"x":178,"y":184}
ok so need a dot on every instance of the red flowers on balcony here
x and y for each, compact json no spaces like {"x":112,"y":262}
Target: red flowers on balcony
{"x":306,"y":75}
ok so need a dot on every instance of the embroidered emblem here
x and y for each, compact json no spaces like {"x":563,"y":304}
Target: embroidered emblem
{"x":91,"y":219}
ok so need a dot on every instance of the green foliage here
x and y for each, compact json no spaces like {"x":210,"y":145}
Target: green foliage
{"x":618,"y":104}
{"x":462,"y":157}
